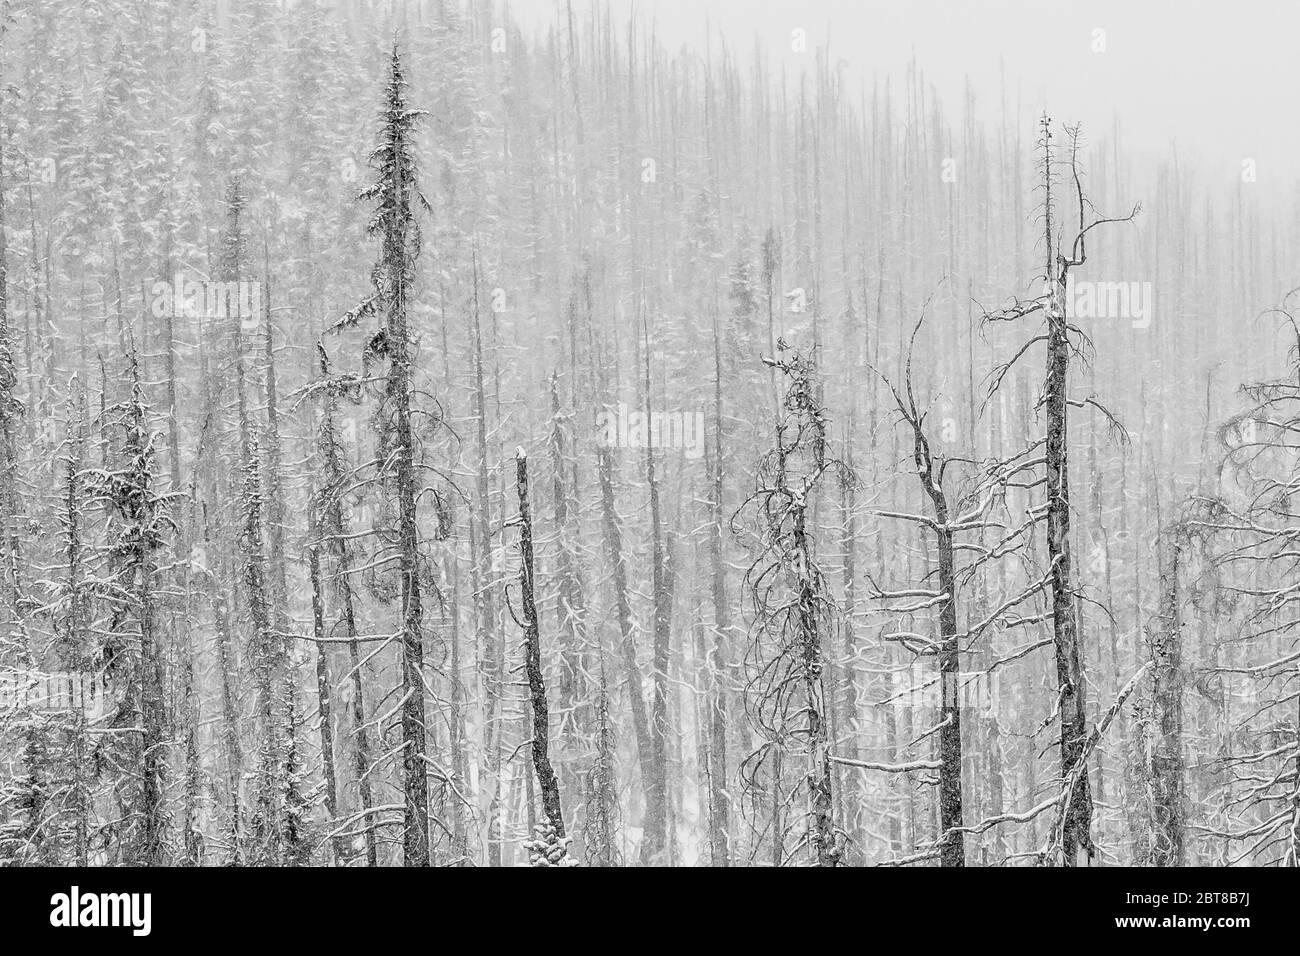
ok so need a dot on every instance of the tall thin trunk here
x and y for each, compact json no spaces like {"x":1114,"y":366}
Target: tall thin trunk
{"x":572,"y":691}
{"x":655,"y":843}
{"x":323,"y":692}
{"x":1076,"y":837}
{"x":337,"y":532}
{"x":546,"y":778}
{"x":482,"y":574}
{"x":719,"y":799}
{"x":1167,"y":773}
{"x":623,"y":604}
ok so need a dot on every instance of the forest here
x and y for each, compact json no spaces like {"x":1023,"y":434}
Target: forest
{"x":428,"y":439}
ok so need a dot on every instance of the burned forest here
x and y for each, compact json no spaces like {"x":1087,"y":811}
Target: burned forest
{"x":434,"y":433}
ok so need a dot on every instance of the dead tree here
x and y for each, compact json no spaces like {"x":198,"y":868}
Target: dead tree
{"x":975,"y":527}
{"x":613,"y":536}
{"x":931,"y":469}
{"x":528,"y":622}
{"x":600,"y":836}
{"x":335,"y":532}
{"x":719,"y":796}
{"x":268,"y":654}
{"x":655,"y":846}
{"x":324,"y":686}
{"x":1256,"y":527}
{"x":795,"y":617}
{"x":1165,"y":769}
{"x":1063,"y":341}
{"x":572,"y":613}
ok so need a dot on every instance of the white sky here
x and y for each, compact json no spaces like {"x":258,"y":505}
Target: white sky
{"x":1221,"y":78}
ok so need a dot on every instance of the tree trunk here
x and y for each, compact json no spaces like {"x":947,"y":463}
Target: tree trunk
{"x":323,"y":694}
{"x":546,"y":778}
{"x":654,"y":846}
{"x":1167,"y":772}
{"x":1077,"y":839}
{"x":627,"y":645}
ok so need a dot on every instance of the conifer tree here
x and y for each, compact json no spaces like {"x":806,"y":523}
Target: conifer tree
{"x":398,"y":201}
{"x":139,"y":527}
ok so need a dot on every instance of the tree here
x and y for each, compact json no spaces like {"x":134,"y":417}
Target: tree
{"x":139,"y":525}
{"x":1063,"y":339}
{"x":1164,"y":736}
{"x":538,"y":704}
{"x":975,"y":530}
{"x":794,"y":615}
{"x":336,"y":533}
{"x":1253,"y":523}
{"x":398,"y":200}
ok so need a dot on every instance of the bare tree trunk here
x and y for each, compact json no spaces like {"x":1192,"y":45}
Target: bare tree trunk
{"x":654,"y":846}
{"x":456,"y":708}
{"x":819,"y":762}
{"x":275,"y":509}
{"x":226,"y":664}
{"x":627,"y":645}
{"x":533,"y":656}
{"x":415,"y":844}
{"x":1077,"y":844}
{"x":794,"y":613}
{"x":1077,"y":839}
{"x":719,"y":798}
{"x":267,"y":652}
{"x":481,"y":577}
{"x":323,"y":692}
{"x":1166,"y":762}
{"x":602,"y":793}
{"x":953,"y":851}
{"x":336,"y":531}
{"x":572,"y":692}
